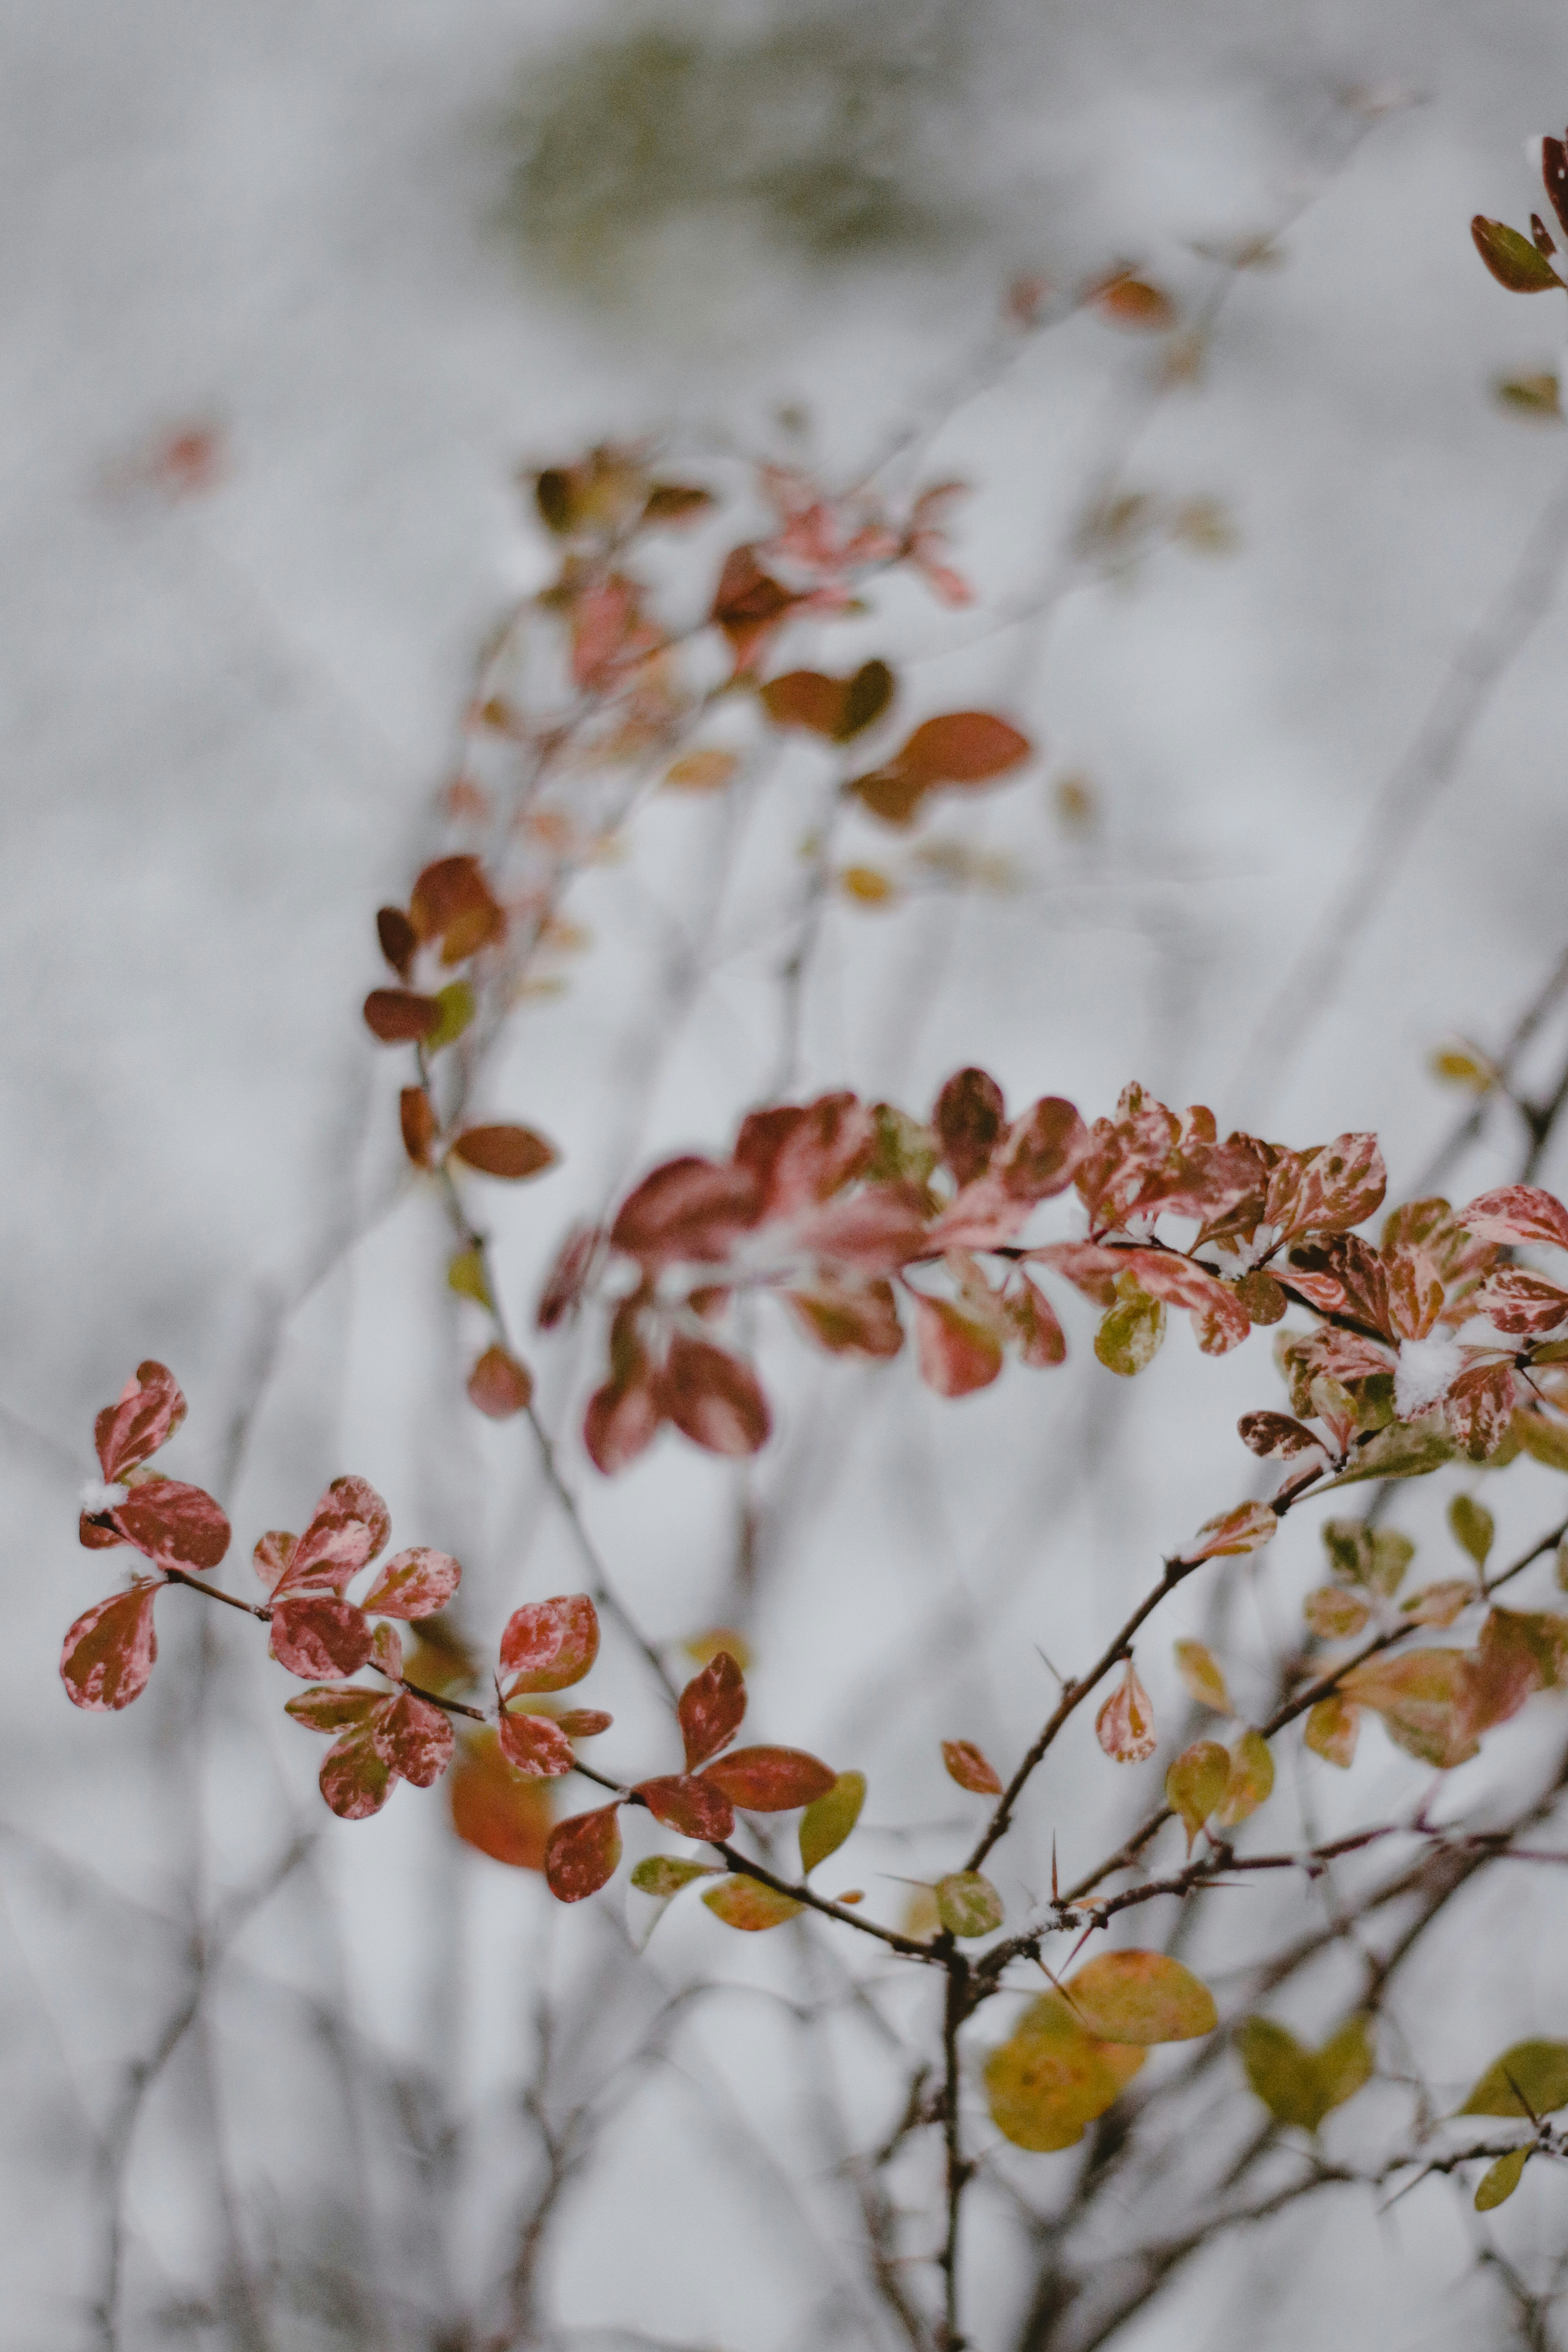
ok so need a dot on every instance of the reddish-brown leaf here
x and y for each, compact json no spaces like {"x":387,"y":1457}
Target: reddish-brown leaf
{"x":175,"y":1525}
{"x":1044,"y":1150}
{"x":710,"y":1708}
{"x":494,"y":1811}
{"x":585,"y":1722}
{"x":452,"y":901}
{"x":581,"y":1854}
{"x":1277,"y":1437}
{"x":144,"y":1416}
{"x":967,"y":1765}
{"x":1523,"y":1303}
{"x":621,"y":1421}
{"x":870,"y":1232}
{"x":801,"y":1153}
{"x":347,"y":1529}
{"x":714,"y":1398}
{"x":415,"y":1738}
{"x":414,"y":1583}
{"x":500,"y":1386}
{"x":418,"y":1123}
{"x":805,"y":698}
{"x":673,"y":504}
{"x":398,"y":939}
{"x":512,"y":1152}
{"x":355,"y":1780}
{"x":398,"y":1017}
{"x":1512,"y":260}
{"x":769,"y":1779}
{"x":109,"y":1651}
{"x":689,"y":1209}
{"x":315,"y":1635}
{"x":956,"y":1355}
{"x":548,"y":1645}
{"x":535,"y":1745}
{"x":694,"y":1807}
{"x":963,"y":746}
{"x":969,"y":1119}
{"x":568,"y":1276}
{"x":749,"y":604}
{"x":893,"y":791}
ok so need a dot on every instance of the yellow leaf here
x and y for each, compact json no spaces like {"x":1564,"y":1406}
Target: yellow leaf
{"x":1141,"y":1997}
{"x":1200,"y":1670}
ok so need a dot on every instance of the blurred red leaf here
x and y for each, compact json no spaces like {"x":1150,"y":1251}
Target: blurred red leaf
{"x":397,"y":1017}
{"x":749,"y":604}
{"x":581,"y":1854}
{"x":769,"y":1779}
{"x":548,"y":1645}
{"x":967,"y":1765}
{"x":714,"y":1398}
{"x":871,"y":1231}
{"x":356,"y":1780}
{"x":414,"y":1738}
{"x":621,"y":1422}
{"x":499,"y":1385}
{"x":849,"y":1318}
{"x":536,"y":1745}
{"x":316,"y":1635}
{"x":398,"y":939}
{"x":512,"y":1152}
{"x":802,"y":1152}
{"x":805,"y":698}
{"x":956,"y":1355}
{"x":710,"y":1708}
{"x":414,"y":1583}
{"x":970,"y":1118}
{"x":691,"y":1805}
{"x":109,"y":1651}
{"x":689,"y":1209}
{"x":568,"y":1276}
{"x":418,"y":1123}
{"x":452,"y":901}
{"x":495,"y":1811}
{"x":963,"y":746}
{"x":147,"y":1411}
{"x":1042,"y":1342}
{"x":1044,"y":1149}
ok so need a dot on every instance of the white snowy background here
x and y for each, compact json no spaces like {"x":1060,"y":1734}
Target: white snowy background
{"x":224,"y":716}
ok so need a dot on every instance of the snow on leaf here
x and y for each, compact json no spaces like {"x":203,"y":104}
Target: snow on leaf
{"x":749,"y":1906}
{"x":413,"y":1738}
{"x":512,"y":1153}
{"x":967,"y":1765}
{"x":535,"y":1745}
{"x":109,"y":1652}
{"x":414,"y":1583}
{"x":769,"y":1779}
{"x":1201,"y":1672}
{"x":684,"y":1801}
{"x":145,"y":1415}
{"x":175,"y":1525}
{"x":1251,"y":1781}
{"x":1538,"y":2069}
{"x":967,"y":1904}
{"x":1142,"y":1998}
{"x":828,"y":1819}
{"x":548,"y":1645}
{"x":315,"y":1634}
{"x":1195,"y":1783}
{"x":581,"y":1853}
{"x":710,"y":1708}
{"x":1403,"y":1450}
{"x":1125,"y":1724}
{"x":956,"y":1354}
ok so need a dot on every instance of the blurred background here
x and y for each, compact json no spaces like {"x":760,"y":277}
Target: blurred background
{"x":291,"y":295}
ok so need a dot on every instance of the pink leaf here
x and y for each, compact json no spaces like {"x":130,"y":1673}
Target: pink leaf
{"x":109,"y":1651}
{"x":769,"y":1779}
{"x":1518,"y":1212}
{"x":413,"y":1584}
{"x":355,"y":1780}
{"x":585,"y":1722}
{"x":710,"y":1708}
{"x":149,"y":1410}
{"x":581,"y":1854}
{"x":177,"y":1526}
{"x":1521,"y":1303}
{"x":956,"y":1355}
{"x":874,"y":1231}
{"x":690,"y":1210}
{"x":714,"y":1398}
{"x":620,"y":1423}
{"x":348,"y":1528}
{"x":316,"y":1635}
{"x":273,"y":1552}
{"x":499,"y":1385}
{"x":798,"y":1155}
{"x":549,"y":1644}
{"x":536,"y":1746}
{"x":1125,"y":1724}
{"x":691,"y":1805}
{"x":415,"y":1738}
{"x":1044,"y":1149}
{"x":1247,"y":1528}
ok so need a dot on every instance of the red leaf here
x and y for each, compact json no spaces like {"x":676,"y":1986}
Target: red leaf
{"x":548,"y":1645}
{"x":714,"y":1398}
{"x":689,"y":1210}
{"x":963,"y":746}
{"x":691,"y":1805}
{"x":1044,"y":1149}
{"x":849,"y":1318}
{"x":109,"y":1652}
{"x":500,"y":1386}
{"x":493,"y":1810}
{"x":355,"y":1780}
{"x":149,"y":1410}
{"x":1518,"y":1212}
{"x":415,"y":1738}
{"x":876,"y":1229}
{"x":397,"y":1017}
{"x":512,"y":1152}
{"x":536,"y":1746}
{"x":316,"y":1635}
{"x":967,"y":1765}
{"x":452,"y":901}
{"x":334,"y":1706}
{"x":710,"y":1708}
{"x":800,"y":1153}
{"x":956,"y":1355}
{"x":413,"y":1584}
{"x":418,"y":1123}
{"x":1339,"y":1184}
{"x":398,"y":939}
{"x":1479,"y":1408}
{"x":581,"y":1854}
{"x":347,"y":1529}
{"x":769,"y":1779}
{"x":620,"y":1423}
{"x":568,"y":1276}
{"x":177,"y":1526}
{"x":93,"y":1535}
{"x":970,"y":1117}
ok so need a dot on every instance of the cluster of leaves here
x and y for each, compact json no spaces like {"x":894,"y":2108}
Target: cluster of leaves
{"x":1524,"y":264}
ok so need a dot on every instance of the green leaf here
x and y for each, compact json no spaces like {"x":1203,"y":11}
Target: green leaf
{"x":747,"y":1904}
{"x":1376,"y":1557}
{"x":1512,"y":258}
{"x":1129,"y":1337}
{"x":1544,"y":1441}
{"x":968,"y":1904}
{"x":1405,"y":1449}
{"x":1472,"y":1527}
{"x":455,"y":1002}
{"x":1538,"y":2069}
{"x":1251,"y":1781}
{"x":466,"y":1276}
{"x":1196,"y":1783}
{"x":1299,"y":2086}
{"x":665,"y":1874}
{"x":828,"y":1821}
{"x":1499,"y":2182}
{"x":1141,"y":1998}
